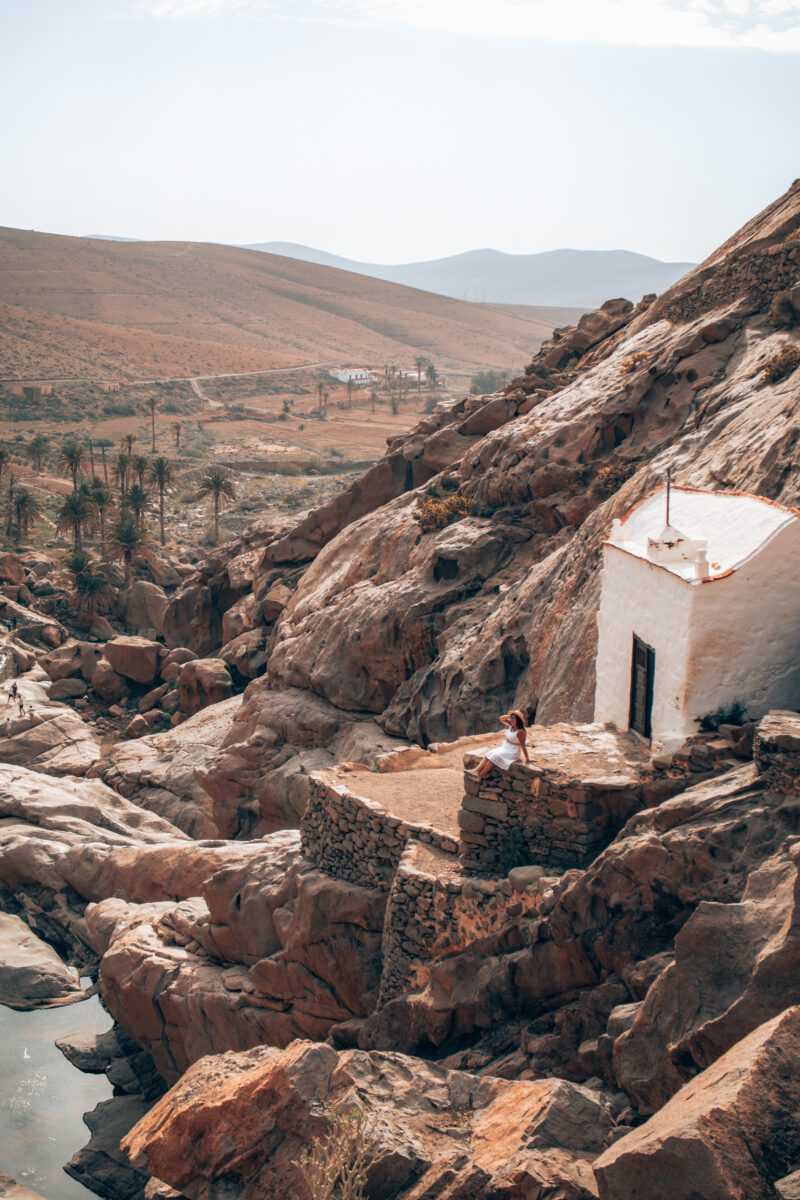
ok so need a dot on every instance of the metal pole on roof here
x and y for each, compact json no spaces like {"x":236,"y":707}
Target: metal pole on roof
{"x":669,"y":489}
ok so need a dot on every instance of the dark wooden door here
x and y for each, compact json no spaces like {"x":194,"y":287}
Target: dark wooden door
{"x":643,"y":670}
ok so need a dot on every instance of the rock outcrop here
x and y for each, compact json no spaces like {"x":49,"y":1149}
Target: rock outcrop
{"x":428,"y":1131}
{"x":161,"y":772}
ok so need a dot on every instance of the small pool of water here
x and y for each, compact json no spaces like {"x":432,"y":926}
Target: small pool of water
{"x":43,"y":1098}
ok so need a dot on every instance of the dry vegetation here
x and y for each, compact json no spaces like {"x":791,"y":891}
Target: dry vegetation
{"x":781,"y":365}
{"x":437,"y":513}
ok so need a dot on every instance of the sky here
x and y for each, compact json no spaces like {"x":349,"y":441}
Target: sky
{"x":400,"y":130}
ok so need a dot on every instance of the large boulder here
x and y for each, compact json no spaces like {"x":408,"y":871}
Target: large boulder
{"x":241,"y":617}
{"x":31,"y":973}
{"x":203,"y":682}
{"x":144,"y":605}
{"x":12,"y":569}
{"x":192,"y":620}
{"x":73,"y":659}
{"x":424,"y":1127}
{"x":729,"y":1134}
{"x":135,"y":658}
{"x":109,"y":686}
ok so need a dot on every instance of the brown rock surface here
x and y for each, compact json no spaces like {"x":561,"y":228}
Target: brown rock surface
{"x":144,"y":605}
{"x":427,"y":1127}
{"x":202,"y":682}
{"x":729,"y":1134}
{"x":42,"y":821}
{"x":736,"y":966}
{"x":162,"y":771}
{"x":48,"y":736}
{"x":134,"y":658}
{"x":31,"y":973}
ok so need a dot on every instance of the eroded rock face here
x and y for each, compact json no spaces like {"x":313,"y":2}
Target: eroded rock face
{"x":46,"y":736}
{"x":260,"y":779}
{"x":736,"y":966}
{"x":729,"y":1134}
{"x":42,"y":821}
{"x":427,"y":1127}
{"x":272,"y":950}
{"x":160,"y":772}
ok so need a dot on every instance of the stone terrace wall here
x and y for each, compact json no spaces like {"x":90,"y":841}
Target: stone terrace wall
{"x":521,"y":816}
{"x":535,"y":813}
{"x":433,"y":911}
{"x":355,"y":839}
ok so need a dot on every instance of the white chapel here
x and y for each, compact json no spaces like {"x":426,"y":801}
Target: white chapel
{"x":700,"y":608}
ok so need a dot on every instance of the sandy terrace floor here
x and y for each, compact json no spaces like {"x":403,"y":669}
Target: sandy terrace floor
{"x":428,"y":791}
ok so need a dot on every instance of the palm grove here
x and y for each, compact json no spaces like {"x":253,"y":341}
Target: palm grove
{"x":110,"y":505}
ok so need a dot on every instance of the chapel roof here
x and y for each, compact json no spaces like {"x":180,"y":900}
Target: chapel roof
{"x":734,"y":526}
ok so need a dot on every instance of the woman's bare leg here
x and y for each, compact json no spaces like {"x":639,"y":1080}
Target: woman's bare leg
{"x":485,"y":768}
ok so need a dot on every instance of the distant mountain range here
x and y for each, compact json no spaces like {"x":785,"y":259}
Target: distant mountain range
{"x":575,"y":278}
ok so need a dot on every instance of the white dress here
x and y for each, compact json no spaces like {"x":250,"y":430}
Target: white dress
{"x":507,"y":752}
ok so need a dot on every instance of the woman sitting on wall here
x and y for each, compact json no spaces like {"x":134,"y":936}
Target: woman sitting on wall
{"x":510,"y":749}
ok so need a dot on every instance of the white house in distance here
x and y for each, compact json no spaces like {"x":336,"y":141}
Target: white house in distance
{"x":700,"y":608}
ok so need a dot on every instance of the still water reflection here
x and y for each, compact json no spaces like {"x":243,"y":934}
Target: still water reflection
{"x":43,"y":1098}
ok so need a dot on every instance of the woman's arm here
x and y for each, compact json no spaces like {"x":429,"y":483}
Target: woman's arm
{"x":521,"y":738}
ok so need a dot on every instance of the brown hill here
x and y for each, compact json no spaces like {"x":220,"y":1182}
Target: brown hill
{"x":88,"y":307}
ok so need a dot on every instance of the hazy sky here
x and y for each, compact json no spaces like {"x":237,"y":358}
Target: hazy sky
{"x":392,"y":130}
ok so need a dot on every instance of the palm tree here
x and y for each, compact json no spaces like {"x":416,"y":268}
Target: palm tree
{"x":26,"y":512}
{"x":121,"y":468}
{"x":177,"y":430}
{"x":161,"y":475}
{"x":90,"y":588}
{"x":10,"y":505}
{"x":126,"y":540}
{"x":218,"y":485}
{"x":152,"y":404}
{"x":421,"y":363}
{"x":101,"y":498}
{"x":128,"y":441}
{"x":136,"y":502}
{"x":75,"y":514}
{"x":72,"y":459}
{"x":139,"y":466}
{"x":432,"y":375}
{"x":37,"y":448}
{"x":105,"y":465}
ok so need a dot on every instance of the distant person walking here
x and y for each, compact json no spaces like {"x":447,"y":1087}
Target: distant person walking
{"x":13,"y":693}
{"x":511,"y":748}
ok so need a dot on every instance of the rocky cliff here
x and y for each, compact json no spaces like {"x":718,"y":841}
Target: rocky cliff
{"x":563,"y":1033}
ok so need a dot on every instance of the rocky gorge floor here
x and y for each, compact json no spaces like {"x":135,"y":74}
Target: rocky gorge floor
{"x":231,"y":808}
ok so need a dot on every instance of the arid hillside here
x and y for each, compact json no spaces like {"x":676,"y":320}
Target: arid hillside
{"x":88,"y":307}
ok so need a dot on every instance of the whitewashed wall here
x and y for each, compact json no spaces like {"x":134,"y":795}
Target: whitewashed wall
{"x":745,"y":642}
{"x":641,"y":598}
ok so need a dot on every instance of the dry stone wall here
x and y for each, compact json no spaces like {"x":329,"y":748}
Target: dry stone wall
{"x":355,"y":839}
{"x":532,"y":814}
{"x":435,"y":911}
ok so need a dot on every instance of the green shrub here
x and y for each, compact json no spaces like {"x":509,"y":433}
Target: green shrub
{"x":734,"y":714}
